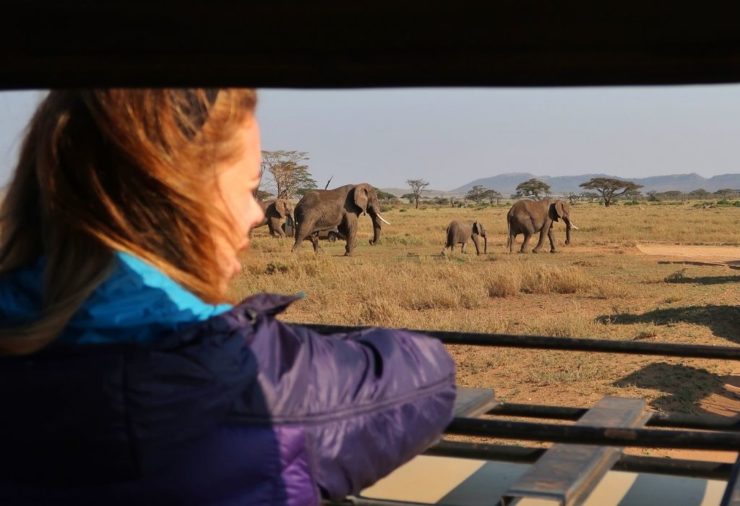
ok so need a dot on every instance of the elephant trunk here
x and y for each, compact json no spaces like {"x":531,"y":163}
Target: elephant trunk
{"x":376,"y":228}
{"x":568,"y":226}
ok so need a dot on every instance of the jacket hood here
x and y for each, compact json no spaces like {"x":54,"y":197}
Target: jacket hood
{"x":137,"y":303}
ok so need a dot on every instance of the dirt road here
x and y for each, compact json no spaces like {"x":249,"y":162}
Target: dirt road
{"x":713,"y":255}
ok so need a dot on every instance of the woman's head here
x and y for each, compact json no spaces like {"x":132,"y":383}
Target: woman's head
{"x":165,"y":174}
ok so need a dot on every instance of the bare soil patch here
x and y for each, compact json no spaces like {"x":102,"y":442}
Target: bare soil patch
{"x":728,"y":255}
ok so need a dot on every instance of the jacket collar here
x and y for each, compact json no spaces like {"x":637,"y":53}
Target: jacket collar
{"x":136,"y":304}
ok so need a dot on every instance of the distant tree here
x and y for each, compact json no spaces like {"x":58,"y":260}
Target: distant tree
{"x":410,"y":197}
{"x":441,"y":201}
{"x":609,"y":187}
{"x":701,"y":193}
{"x":532,"y":188}
{"x":589,"y":196}
{"x":300,"y":192}
{"x":289,"y":177}
{"x":672,"y":195}
{"x":726,"y":193}
{"x":632,"y":195}
{"x":493,"y":196}
{"x":387,"y":198}
{"x":417,"y":187}
{"x":477,"y":194}
{"x":262,"y":195}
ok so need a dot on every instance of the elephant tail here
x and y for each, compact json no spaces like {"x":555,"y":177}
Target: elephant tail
{"x":508,"y":231}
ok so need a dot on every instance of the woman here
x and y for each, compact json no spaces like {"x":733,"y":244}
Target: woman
{"x":127,"y":378}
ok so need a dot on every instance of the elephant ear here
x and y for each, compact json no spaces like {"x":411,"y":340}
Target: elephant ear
{"x":361,"y":196}
{"x":281,"y":207}
{"x":560,"y":208}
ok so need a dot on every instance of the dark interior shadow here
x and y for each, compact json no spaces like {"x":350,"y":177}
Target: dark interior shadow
{"x":724,"y":321}
{"x":684,"y":386}
{"x":707,"y":280}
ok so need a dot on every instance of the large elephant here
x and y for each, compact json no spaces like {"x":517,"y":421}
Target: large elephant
{"x":459,"y":233}
{"x":278,"y":216}
{"x":531,"y":216}
{"x":322,"y":210}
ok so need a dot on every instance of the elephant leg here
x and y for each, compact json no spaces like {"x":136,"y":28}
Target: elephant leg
{"x":350,"y":225}
{"x":302,"y":233}
{"x":541,"y":241}
{"x":525,"y":243}
{"x":477,"y":246}
{"x":315,"y":242}
{"x":550,"y":236}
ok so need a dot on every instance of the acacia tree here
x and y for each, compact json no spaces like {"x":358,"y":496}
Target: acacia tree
{"x":532,"y":188}
{"x":609,"y":187}
{"x":417,"y":186}
{"x":493,"y":196}
{"x":477,"y":194}
{"x":289,"y":177}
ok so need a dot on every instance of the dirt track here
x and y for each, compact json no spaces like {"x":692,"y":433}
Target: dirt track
{"x":713,"y":255}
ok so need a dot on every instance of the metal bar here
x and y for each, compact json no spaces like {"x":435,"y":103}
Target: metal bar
{"x":472,"y":402}
{"x":560,"y":343}
{"x":567,"y":472}
{"x":365,"y":501}
{"x":647,"y":438}
{"x":629,"y":463}
{"x":731,"y":497}
{"x":704,"y":422}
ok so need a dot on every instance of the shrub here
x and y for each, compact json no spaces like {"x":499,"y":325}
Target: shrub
{"x":504,"y":284}
{"x":676,"y":277}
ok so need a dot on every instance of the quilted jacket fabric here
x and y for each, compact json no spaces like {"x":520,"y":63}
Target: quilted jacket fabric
{"x":227,"y":407}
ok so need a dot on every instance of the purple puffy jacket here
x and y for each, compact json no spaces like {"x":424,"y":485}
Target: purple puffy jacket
{"x":238,"y":409}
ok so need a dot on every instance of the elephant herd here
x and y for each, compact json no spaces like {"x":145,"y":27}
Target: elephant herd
{"x":335,"y":213}
{"x":326,"y":213}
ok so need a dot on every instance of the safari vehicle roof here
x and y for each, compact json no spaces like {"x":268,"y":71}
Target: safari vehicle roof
{"x":334,"y":43}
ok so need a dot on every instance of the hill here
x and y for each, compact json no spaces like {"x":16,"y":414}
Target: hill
{"x":506,"y":183}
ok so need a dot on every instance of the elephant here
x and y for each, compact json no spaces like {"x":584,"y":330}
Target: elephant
{"x":459,"y":233}
{"x":331,"y":235}
{"x":278,"y":216}
{"x":530,"y":216}
{"x":323,"y":210}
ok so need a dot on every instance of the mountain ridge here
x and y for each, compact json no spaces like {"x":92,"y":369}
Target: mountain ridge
{"x":506,"y":183}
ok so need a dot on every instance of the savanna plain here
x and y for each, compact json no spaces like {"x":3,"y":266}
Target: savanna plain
{"x":601,"y":286}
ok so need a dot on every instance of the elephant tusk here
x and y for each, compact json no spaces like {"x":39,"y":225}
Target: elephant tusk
{"x":382,"y":219}
{"x":573,"y":226}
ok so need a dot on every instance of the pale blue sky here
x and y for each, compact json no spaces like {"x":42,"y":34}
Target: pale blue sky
{"x":452,"y":136}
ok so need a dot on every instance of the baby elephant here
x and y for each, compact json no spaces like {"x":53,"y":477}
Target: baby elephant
{"x":459,"y":233}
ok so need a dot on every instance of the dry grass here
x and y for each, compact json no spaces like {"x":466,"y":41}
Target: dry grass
{"x":509,"y":280}
{"x":599,"y":287}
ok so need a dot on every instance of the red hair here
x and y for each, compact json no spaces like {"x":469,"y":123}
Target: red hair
{"x":118,"y":170}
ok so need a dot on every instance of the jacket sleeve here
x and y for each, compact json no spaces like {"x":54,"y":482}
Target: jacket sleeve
{"x":368,"y":401}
